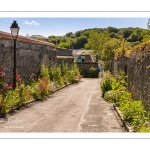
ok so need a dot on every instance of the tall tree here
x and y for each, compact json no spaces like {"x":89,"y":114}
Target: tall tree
{"x":96,"y":43}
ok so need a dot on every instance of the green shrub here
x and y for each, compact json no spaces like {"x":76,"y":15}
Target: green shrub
{"x":106,"y":85}
{"x":44,"y":72}
{"x":121,"y":97}
{"x":75,"y":69}
{"x":114,"y":90}
{"x":134,"y":113}
{"x":64,"y":70}
{"x":110,"y":96}
{"x":117,"y":97}
{"x":84,"y":72}
{"x":120,"y":81}
{"x":56,"y":76}
{"x":71,"y":77}
{"x":93,"y":72}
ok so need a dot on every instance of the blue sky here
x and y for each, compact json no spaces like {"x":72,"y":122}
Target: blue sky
{"x":60,"y":26}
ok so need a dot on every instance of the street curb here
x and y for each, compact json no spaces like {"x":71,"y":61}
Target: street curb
{"x":127,"y":126}
{"x":31,"y":101}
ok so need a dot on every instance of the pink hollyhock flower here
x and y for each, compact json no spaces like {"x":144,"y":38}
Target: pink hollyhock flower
{"x":2,"y":73}
{"x":6,"y":85}
{"x":17,"y":77}
{"x":11,"y":85}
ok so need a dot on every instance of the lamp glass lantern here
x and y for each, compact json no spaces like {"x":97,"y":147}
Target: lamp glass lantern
{"x":14,"y":30}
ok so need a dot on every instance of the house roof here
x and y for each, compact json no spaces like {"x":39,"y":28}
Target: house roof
{"x":88,"y":58}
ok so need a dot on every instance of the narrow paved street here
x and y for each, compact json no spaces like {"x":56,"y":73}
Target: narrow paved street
{"x":76,"y":108}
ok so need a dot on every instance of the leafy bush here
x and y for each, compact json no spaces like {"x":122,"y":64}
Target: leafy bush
{"x":93,"y":73}
{"x":110,"y":96}
{"x":114,"y":90}
{"x":75,"y":69}
{"x":71,"y":77}
{"x":44,"y":72}
{"x":120,"y":81}
{"x":84,"y":73}
{"x":118,"y":97}
{"x":64,"y":70}
{"x":134,"y":113}
{"x":107,"y":85}
{"x":56,"y":76}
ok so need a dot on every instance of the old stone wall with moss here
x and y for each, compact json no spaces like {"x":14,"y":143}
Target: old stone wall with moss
{"x":137,"y":68}
{"x":30,"y":55}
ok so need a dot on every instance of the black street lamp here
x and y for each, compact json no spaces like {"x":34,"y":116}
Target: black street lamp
{"x":14,"y":32}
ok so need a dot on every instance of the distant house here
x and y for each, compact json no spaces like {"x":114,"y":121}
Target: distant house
{"x":84,"y":56}
{"x":79,"y":57}
{"x":38,"y":36}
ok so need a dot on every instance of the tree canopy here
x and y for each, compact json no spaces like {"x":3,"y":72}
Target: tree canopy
{"x":104,"y":42}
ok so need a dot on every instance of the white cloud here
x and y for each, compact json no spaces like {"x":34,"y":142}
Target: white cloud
{"x":31,"y":23}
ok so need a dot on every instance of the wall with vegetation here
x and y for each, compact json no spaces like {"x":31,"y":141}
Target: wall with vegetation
{"x":137,"y":67}
{"x":30,"y":55}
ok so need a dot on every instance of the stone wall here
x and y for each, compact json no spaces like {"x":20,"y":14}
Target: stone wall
{"x":64,"y":52}
{"x":119,"y":64}
{"x":64,"y":55}
{"x":137,"y":68}
{"x":139,"y":76}
{"x":87,"y":65}
{"x":30,"y":55}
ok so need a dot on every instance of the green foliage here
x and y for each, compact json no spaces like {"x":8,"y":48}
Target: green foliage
{"x":71,"y":77}
{"x":38,"y":88}
{"x":107,"y":82}
{"x":93,"y":72}
{"x":56,"y":75}
{"x":64,"y":45}
{"x":10,"y":100}
{"x":44,"y":72}
{"x":133,"y":110}
{"x":81,"y":41}
{"x":112,"y":29}
{"x":120,"y":81}
{"x":75,"y":68}
{"x":106,"y":65}
{"x":134,"y":113}
{"x":110,"y":96}
{"x":84,"y":73}
{"x":61,"y":74}
{"x":107,"y":43}
{"x":64,"y":70}
{"x":119,"y":97}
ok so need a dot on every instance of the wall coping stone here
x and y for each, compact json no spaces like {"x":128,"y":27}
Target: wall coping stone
{"x":7,"y":36}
